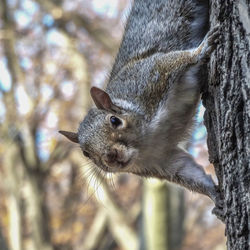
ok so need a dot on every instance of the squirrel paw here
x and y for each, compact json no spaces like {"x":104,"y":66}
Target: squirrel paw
{"x":209,"y":43}
{"x":218,"y":210}
{"x":219,"y":213}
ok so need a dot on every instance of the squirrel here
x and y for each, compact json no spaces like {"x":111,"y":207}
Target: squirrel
{"x":151,"y":98}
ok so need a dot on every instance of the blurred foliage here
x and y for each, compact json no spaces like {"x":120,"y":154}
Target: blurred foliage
{"x":51,"y":52}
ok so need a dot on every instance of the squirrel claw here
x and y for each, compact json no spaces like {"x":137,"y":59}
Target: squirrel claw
{"x":219,"y":213}
{"x":218,"y":210}
{"x":209,"y":43}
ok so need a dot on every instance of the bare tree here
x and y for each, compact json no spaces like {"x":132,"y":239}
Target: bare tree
{"x":227,"y":117}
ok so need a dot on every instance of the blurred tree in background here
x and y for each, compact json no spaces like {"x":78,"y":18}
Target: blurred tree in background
{"x":51,"y":52}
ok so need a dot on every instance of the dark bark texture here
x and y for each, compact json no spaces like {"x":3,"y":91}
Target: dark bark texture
{"x":227,"y":102}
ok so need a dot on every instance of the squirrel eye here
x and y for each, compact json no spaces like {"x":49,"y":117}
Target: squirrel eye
{"x":85,"y":153}
{"x":115,"y":121}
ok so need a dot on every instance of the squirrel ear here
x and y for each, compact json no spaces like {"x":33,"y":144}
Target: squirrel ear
{"x":70,"y":135}
{"x":102,"y":99}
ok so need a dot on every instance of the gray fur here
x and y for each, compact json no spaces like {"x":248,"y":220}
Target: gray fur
{"x":155,"y":87}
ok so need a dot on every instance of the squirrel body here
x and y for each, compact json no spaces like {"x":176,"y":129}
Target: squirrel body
{"x":154,"y":87}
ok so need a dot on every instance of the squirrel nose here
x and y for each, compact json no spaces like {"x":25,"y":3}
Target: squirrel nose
{"x":112,"y":156}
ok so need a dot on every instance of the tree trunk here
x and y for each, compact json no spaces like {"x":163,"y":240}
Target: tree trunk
{"x":36,"y":213}
{"x":227,"y":102}
{"x":176,"y":216}
{"x":155,"y":214}
{"x":163,"y":216}
{"x":12,"y":186}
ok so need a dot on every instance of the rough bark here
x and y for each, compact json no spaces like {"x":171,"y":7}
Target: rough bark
{"x":227,"y":116}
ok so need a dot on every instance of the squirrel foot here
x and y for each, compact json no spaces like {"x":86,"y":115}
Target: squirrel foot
{"x":218,"y":210}
{"x":209,"y":43}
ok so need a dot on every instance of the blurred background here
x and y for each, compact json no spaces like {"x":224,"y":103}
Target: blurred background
{"x":51,"y":52}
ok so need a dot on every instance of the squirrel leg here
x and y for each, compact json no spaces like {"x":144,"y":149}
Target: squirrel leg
{"x":178,"y":61}
{"x":191,"y":175}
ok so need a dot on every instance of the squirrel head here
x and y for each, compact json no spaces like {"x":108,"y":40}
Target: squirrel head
{"x":108,"y":135}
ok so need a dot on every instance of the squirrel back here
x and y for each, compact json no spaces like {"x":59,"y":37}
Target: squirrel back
{"x":154,"y":28}
{"x":161,"y":26}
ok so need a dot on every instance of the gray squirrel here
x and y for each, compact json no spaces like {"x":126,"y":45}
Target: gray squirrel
{"x":151,"y":98}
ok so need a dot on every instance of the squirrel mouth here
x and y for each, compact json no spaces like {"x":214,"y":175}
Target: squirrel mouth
{"x":105,"y":168}
{"x":117,"y":160}
{"x":115,"y":166}
{"x":123,"y":164}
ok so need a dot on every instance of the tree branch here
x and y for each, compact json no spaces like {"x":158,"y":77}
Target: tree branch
{"x":62,"y":18}
{"x":28,"y":146}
